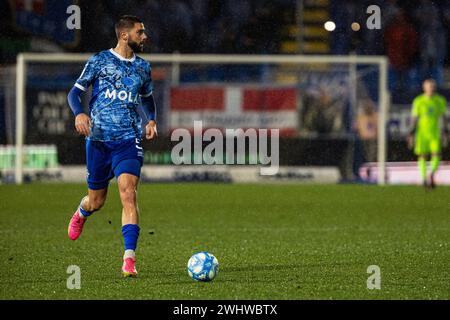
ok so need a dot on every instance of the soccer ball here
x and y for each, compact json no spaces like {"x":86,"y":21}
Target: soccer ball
{"x":203,"y":266}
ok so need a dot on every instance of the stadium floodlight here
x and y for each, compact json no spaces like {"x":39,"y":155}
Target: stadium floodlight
{"x":176,"y":61}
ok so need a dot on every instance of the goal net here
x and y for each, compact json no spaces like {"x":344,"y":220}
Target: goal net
{"x":323,"y":107}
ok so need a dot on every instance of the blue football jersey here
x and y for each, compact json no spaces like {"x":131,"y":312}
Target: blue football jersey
{"x":117,"y":86}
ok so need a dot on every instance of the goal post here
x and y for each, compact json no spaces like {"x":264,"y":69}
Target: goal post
{"x":175,"y":61}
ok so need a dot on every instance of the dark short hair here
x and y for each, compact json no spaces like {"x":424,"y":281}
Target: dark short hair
{"x":126,"y":22}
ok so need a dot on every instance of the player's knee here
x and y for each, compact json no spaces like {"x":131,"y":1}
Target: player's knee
{"x":128,"y":196}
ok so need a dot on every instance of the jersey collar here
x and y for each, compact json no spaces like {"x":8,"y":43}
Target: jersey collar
{"x":122,"y":58}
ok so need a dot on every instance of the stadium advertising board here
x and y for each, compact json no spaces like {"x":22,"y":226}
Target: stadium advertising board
{"x":193,"y":173}
{"x":49,"y":114}
{"x":403,"y":173}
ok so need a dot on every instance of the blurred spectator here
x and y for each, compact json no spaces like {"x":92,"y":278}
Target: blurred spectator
{"x":322,"y":112}
{"x":401,"y":43}
{"x":366,"y":127}
{"x":365,"y":144}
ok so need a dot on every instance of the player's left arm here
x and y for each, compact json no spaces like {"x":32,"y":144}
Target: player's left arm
{"x":445,"y":122}
{"x":149,"y":106}
{"x":444,"y":115}
{"x":412,"y":132}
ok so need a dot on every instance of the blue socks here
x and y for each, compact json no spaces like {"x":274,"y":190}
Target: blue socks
{"x":130,"y":234}
{"x":83,"y":212}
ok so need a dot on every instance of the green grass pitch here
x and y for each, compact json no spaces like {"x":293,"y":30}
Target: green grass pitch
{"x":272,"y":242}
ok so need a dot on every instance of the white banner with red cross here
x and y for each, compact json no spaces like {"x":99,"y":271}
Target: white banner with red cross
{"x":233,"y":107}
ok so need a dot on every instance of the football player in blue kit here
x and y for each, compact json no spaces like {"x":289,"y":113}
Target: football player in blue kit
{"x":121,"y":81}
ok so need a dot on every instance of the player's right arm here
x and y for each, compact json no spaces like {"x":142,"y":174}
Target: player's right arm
{"x":414,"y":120}
{"x":82,"y":120}
{"x":88,"y":75}
{"x":445,"y":122}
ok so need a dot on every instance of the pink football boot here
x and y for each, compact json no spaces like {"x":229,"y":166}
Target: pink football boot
{"x":76,"y":225}
{"x":129,"y":268}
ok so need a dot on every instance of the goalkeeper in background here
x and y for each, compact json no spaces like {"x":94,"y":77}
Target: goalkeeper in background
{"x":427,"y":110}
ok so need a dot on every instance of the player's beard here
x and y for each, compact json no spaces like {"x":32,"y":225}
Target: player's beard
{"x":136,"y":47}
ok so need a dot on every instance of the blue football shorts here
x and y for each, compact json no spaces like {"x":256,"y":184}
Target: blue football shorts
{"x":106,"y":160}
